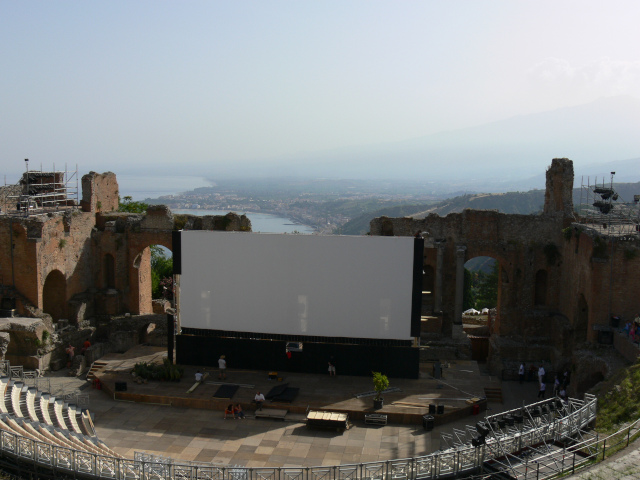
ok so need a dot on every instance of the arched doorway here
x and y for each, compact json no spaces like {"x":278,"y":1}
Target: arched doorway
{"x":54,"y":295}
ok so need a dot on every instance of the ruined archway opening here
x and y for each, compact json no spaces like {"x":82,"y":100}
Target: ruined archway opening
{"x":480,"y":284}
{"x":154,"y":269}
{"x":480,"y":298}
{"x":54,"y":295}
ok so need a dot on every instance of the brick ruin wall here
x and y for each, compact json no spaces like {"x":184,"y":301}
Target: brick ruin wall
{"x":82,"y":264}
{"x":578,"y":289}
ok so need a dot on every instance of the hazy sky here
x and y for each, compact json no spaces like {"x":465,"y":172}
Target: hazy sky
{"x":121,"y":85}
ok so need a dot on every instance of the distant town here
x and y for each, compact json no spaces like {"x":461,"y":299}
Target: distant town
{"x":324,"y":205}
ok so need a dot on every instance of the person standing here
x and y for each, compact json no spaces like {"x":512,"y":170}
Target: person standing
{"x":556,"y":386}
{"x":71,"y":351}
{"x":541,"y":374}
{"x":543,"y":390}
{"x":222,"y":365}
{"x":521,"y":373}
{"x":332,"y":367}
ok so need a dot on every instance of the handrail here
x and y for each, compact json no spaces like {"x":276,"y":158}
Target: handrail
{"x":432,"y":466}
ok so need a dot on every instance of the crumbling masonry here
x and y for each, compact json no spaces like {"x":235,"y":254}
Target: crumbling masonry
{"x":559,"y":281}
{"x":81,"y":263}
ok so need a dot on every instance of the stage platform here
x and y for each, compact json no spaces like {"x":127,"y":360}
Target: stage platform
{"x":461,"y":390}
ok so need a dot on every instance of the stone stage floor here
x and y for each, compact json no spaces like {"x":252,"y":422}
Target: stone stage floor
{"x":201,"y":434}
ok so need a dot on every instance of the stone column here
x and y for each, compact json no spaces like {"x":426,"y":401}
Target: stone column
{"x":437,"y":307}
{"x":460,"y":255}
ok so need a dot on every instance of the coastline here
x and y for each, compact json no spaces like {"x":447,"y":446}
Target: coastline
{"x":271,"y":222}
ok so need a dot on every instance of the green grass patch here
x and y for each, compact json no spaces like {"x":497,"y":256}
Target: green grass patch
{"x":619,"y":399}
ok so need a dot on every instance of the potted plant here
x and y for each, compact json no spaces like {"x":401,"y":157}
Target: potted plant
{"x":380,"y":384}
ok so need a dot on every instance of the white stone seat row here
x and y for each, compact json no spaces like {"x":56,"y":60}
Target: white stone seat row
{"x":22,"y":401}
{"x":54,"y":436}
{"x":42,"y":417}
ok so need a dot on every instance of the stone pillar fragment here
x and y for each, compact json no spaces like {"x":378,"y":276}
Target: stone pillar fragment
{"x":437,"y":307}
{"x":460,"y":256}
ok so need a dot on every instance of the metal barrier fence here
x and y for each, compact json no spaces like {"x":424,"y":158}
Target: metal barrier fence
{"x":455,"y":461}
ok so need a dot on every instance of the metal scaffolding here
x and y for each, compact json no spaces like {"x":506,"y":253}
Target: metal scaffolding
{"x":602,"y":208}
{"x":40,"y":191}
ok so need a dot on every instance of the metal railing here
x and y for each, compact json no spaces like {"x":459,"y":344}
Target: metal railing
{"x":453,"y":461}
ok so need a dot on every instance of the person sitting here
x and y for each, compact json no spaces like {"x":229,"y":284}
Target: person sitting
{"x":198,"y":376}
{"x":237,"y":411}
{"x":259,"y":399}
{"x":229,"y":411}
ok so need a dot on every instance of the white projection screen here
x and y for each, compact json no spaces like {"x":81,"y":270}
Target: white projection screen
{"x":328,"y":286}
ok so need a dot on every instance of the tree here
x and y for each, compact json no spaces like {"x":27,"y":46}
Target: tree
{"x":487,"y":296}
{"x":161,"y":272}
{"x":469,"y":296}
{"x":127,"y":204}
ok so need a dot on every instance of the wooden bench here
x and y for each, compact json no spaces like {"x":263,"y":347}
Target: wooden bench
{"x":337,"y":420}
{"x":278,"y":413}
{"x":375,"y":419}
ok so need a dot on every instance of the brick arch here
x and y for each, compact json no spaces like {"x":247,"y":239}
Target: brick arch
{"x":54,"y":295}
{"x":140,"y":268}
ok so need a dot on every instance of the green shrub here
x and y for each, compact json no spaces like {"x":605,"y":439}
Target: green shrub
{"x":151,"y":371}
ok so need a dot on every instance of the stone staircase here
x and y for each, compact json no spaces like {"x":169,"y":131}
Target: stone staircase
{"x":493,"y":394}
{"x":95,"y":368}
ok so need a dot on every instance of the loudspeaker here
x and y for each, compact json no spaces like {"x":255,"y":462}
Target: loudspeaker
{"x":482,"y":429}
{"x":440,"y":409}
{"x":121,"y":386}
{"x":476,"y":442}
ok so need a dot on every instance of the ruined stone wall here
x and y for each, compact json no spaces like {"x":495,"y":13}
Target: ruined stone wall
{"x":518,"y":242}
{"x":529,"y":250}
{"x":99,"y":192}
{"x":603,"y":270}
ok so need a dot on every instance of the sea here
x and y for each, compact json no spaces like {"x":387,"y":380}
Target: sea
{"x":143,"y":187}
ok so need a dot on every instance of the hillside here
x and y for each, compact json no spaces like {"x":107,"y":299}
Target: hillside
{"x":512,"y":202}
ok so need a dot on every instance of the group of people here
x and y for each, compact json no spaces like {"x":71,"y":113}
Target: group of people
{"x":559,"y":386}
{"x":71,"y":351}
{"x":632,"y":329}
{"x":235,"y":411}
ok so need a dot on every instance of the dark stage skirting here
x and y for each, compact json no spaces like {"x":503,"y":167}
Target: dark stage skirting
{"x":247,"y":354}
{"x":226,"y":391}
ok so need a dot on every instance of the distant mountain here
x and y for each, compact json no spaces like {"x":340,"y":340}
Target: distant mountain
{"x":509,"y":154}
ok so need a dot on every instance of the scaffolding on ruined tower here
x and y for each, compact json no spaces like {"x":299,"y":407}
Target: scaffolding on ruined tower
{"x":602,"y":208}
{"x":39,"y":192}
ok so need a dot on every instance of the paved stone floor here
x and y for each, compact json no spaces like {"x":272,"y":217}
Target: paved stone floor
{"x":203,"y":435}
